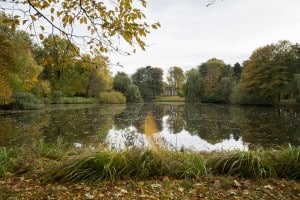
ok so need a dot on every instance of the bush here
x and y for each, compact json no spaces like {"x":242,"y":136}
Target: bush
{"x":112,"y":98}
{"x":42,"y":89}
{"x":56,"y":95}
{"x":133,"y":94}
{"x":24,"y":101}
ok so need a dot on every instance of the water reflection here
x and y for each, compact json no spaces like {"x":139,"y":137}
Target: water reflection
{"x":173,"y":126}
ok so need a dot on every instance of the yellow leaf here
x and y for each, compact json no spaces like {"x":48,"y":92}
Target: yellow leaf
{"x":41,"y":36}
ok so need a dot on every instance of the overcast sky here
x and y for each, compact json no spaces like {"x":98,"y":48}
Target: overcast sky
{"x":192,"y":33}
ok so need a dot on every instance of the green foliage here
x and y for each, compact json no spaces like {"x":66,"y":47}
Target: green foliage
{"x":56,"y":95}
{"x":74,"y":100}
{"x":7,"y":64}
{"x":193,"y":87}
{"x":42,"y":89}
{"x":266,"y":74}
{"x":243,"y":164}
{"x":133,"y":94}
{"x":287,"y":162}
{"x":135,"y":163}
{"x":149,"y":80}
{"x":112,"y":98}
{"x":129,"y":163}
{"x":121,"y":82}
{"x":237,"y":71}
{"x":6,"y":156}
{"x":212,"y":82}
{"x":24,"y":101}
{"x":217,"y":81}
{"x":176,"y":79}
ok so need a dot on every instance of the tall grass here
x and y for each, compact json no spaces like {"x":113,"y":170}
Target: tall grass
{"x":134,"y":163}
{"x":58,"y":163}
{"x":251,"y":164}
{"x":286,"y":162}
{"x":6,"y":156}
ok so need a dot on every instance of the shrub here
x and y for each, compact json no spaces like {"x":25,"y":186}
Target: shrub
{"x":56,"y":95}
{"x":112,"y":98}
{"x":24,"y":101}
{"x":133,"y":94}
{"x":42,"y":89}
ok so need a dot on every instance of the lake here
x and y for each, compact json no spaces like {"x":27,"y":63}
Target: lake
{"x":178,"y":126}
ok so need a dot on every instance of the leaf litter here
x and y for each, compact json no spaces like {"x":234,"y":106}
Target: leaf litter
{"x":30,"y":187}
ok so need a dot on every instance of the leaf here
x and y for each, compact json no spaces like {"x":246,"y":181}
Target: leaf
{"x":269,"y":187}
{"x":41,"y":36}
{"x":89,"y":196}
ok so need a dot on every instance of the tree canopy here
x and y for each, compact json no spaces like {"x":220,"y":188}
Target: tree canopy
{"x":269,"y":74}
{"x":149,"y":80}
{"x":176,"y":79}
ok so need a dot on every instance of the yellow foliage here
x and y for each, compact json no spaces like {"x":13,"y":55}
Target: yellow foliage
{"x":6,"y":92}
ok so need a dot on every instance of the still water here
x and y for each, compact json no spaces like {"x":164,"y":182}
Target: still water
{"x":204,"y":127}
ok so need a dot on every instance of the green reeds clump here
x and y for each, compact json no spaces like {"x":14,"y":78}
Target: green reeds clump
{"x":6,"y":157}
{"x":130,"y":163}
{"x":286,"y":162}
{"x":250,"y":164}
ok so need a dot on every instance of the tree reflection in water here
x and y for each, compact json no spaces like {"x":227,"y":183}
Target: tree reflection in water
{"x":173,"y":126}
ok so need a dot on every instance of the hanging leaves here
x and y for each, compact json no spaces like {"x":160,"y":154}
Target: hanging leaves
{"x":104,"y":22}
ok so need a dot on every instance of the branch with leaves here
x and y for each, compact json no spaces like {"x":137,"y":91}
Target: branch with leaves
{"x":99,"y":25}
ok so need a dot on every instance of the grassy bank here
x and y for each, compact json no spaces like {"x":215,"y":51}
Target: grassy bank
{"x":289,"y":102}
{"x":59,"y":163}
{"x":70,"y":100}
{"x":169,"y":99}
{"x":43,"y":171}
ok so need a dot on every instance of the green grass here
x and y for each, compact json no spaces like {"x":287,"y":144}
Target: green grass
{"x":60,"y":163}
{"x":288,"y":102}
{"x":169,"y":99}
{"x":72,"y":100}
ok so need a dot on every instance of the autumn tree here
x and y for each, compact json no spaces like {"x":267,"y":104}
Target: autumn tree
{"x":104,"y":22}
{"x":58,"y":60}
{"x":6,"y":67}
{"x":149,"y":80}
{"x":266,"y":73}
{"x":176,"y":79}
{"x":99,"y":78}
{"x":19,"y":71}
{"x":216,"y":80}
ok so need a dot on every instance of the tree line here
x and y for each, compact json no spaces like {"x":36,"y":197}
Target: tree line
{"x":271,"y":73}
{"x":54,"y":69}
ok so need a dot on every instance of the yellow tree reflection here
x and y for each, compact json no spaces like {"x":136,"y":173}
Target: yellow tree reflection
{"x":150,"y":130}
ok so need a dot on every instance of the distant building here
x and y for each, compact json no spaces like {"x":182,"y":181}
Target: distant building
{"x":170,"y":91}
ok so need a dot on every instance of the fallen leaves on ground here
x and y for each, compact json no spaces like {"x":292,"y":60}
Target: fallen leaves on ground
{"x":29,"y":187}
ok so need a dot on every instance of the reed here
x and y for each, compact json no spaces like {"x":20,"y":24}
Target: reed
{"x":59,"y":163}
